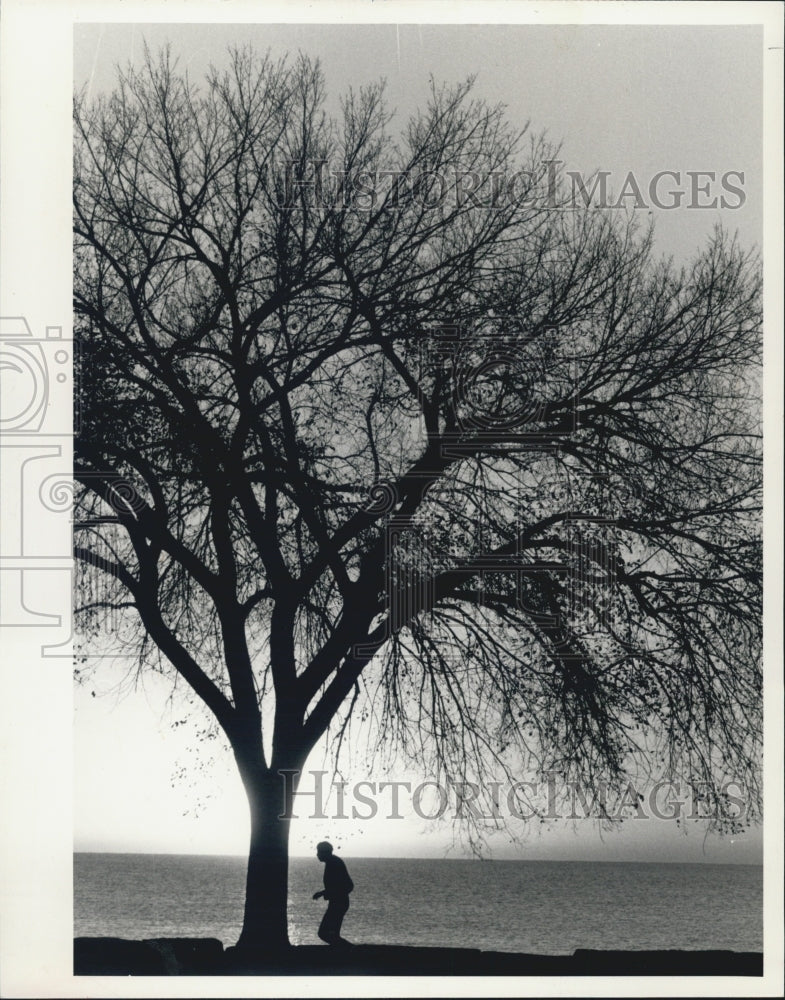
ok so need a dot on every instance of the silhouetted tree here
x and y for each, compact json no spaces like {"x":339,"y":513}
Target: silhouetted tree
{"x":374,"y":422}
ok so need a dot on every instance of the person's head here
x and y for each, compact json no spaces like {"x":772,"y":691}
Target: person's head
{"x":324,"y":850}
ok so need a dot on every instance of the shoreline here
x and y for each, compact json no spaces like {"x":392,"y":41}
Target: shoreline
{"x":107,"y":956}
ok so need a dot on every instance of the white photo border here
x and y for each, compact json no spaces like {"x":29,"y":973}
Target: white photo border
{"x":36,"y":892}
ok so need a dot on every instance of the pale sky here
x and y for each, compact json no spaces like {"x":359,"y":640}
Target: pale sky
{"x":622,"y":99}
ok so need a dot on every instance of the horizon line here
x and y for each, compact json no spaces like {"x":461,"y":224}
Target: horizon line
{"x":411,"y":857}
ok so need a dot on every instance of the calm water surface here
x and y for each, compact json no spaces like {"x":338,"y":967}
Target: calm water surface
{"x":530,"y":906}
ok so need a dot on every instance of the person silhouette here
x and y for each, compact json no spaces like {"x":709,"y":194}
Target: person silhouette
{"x":337,"y":886}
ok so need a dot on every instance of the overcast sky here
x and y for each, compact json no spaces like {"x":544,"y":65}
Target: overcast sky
{"x":622,"y":99}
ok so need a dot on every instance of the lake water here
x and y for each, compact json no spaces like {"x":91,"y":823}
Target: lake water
{"x":529,"y":906}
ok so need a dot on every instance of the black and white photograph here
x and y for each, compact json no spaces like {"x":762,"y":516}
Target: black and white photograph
{"x":392,"y":499}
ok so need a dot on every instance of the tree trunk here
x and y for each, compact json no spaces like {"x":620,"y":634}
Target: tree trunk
{"x":265,"y":924}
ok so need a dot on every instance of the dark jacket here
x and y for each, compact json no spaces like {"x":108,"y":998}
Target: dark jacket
{"x":337,"y":884}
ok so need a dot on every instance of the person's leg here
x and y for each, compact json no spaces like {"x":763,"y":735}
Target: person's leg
{"x":340,"y":913}
{"x":328,"y":931}
{"x":330,"y":927}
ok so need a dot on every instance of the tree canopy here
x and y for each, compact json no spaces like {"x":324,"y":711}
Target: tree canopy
{"x":359,"y":436}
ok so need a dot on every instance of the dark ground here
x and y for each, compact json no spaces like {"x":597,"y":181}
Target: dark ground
{"x":206,"y":956}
